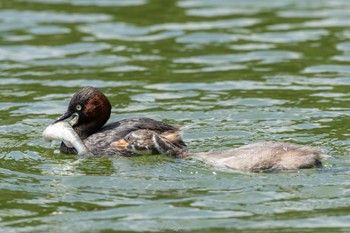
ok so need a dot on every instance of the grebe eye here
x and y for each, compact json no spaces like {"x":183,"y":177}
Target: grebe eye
{"x":78,"y":107}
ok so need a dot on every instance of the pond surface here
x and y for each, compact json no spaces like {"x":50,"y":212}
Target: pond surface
{"x":229,"y":72}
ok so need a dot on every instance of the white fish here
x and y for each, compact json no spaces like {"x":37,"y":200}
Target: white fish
{"x":64,"y":132}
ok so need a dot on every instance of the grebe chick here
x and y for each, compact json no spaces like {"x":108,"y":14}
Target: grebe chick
{"x":265,"y":156}
{"x":89,"y":110}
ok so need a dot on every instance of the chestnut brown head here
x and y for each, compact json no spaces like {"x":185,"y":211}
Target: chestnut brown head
{"x":89,"y":110}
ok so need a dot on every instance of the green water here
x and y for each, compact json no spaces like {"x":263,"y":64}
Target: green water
{"x":230,"y":72}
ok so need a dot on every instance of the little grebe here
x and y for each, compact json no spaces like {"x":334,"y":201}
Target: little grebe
{"x":90,"y":109}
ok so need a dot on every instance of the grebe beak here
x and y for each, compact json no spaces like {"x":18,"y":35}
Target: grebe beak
{"x":63,"y":117}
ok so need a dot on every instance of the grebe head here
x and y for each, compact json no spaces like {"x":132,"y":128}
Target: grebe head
{"x":89,"y":110}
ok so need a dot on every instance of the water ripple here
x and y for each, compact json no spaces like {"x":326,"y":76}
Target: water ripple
{"x":328,"y":69}
{"x":211,"y":69}
{"x":18,"y":155}
{"x":49,"y":17}
{"x":66,"y":83}
{"x":252,"y":4}
{"x":125,"y":68}
{"x":215,"y":12}
{"x":315,"y":14}
{"x":264,"y":57}
{"x":127,"y":32}
{"x":252,"y":46}
{"x":29,"y":53}
{"x":101,"y":3}
{"x":229,"y":85}
{"x":206,"y":38}
{"x":331,"y":22}
{"x":48,"y":30}
{"x":206,"y":25}
{"x":287,"y":37}
{"x":84,"y":60}
{"x":344,"y":46}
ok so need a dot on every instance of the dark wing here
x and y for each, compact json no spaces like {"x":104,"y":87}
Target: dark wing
{"x":100,"y":142}
{"x":145,"y":141}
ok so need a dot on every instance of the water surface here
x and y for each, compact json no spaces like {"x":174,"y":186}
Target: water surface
{"x":228,"y":72}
